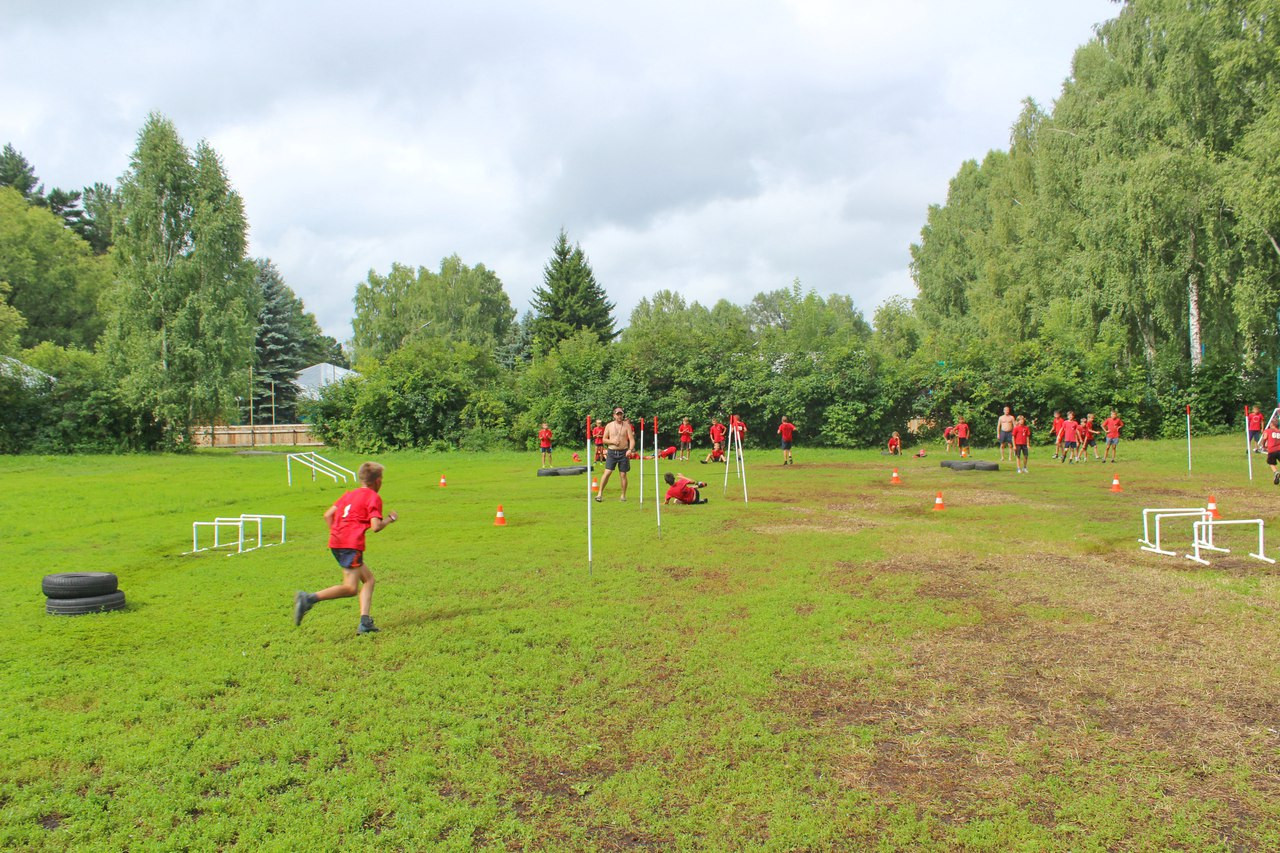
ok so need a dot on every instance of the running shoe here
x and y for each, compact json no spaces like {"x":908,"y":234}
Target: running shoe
{"x":366,"y":626}
{"x":301,"y":604}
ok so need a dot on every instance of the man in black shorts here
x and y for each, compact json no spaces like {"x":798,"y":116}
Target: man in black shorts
{"x":619,"y":440}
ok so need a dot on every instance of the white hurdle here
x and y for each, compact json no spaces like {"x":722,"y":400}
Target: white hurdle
{"x":238,"y":523}
{"x":316,"y":462}
{"x":1200,"y":541}
{"x":1161,"y":514}
{"x":216,"y":525}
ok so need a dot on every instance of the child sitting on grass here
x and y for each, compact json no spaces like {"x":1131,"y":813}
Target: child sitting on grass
{"x":683,"y":490}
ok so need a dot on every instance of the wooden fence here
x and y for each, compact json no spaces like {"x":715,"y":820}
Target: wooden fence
{"x":284,"y":435}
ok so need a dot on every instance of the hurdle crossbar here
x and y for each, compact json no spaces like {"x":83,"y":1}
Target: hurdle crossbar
{"x":1202,"y":538}
{"x":1146,"y":518}
{"x":317,"y":463}
{"x":216,"y":525}
{"x":260,"y":517}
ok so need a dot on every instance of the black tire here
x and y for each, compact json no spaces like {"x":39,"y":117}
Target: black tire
{"x":562,"y":472}
{"x":986,"y":466}
{"x":963,"y":465}
{"x":79,"y":584}
{"x":79,"y":606}
{"x":948,"y":463}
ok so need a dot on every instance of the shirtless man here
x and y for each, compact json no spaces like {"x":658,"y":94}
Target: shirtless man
{"x":1004,"y":433}
{"x":619,"y":441}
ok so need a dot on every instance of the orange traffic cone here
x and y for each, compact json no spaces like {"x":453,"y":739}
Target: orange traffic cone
{"x":896,"y":481}
{"x":500,"y":520}
{"x":1212,"y":508}
{"x":1115,"y":484}
{"x":442,"y":482}
{"x":595,"y":484}
{"x":937,"y":502}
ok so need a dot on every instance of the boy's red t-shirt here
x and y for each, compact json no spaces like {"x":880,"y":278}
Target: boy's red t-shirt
{"x":1021,"y":434}
{"x":597,"y":433}
{"x":668,"y":453}
{"x":683,"y":491}
{"x":894,"y":442}
{"x":787,"y":430}
{"x":1086,"y":430}
{"x":356,"y":511}
{"x":544,"y":437}
{"x":1057,"y":426}
{"x":1255,"y":421}
{"x":1070,"y":429}
{"x":1112,"y":427}
{"x":717,"y":432}
{"x":1273,"y":439}
{"x":962,"y":430}
{"x":946,"y":433}
{"x":686,"y":433}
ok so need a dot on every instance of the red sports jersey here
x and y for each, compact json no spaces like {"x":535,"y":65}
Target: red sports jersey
{"x":1070,"y":429}
{"x":686,"y":433}
{"x":895,"y":443}
{"x":717,"y":432}
{"x":740,"y":427}
{"x":544,"y":437}
{"x":1255,"y":421}
{"x":668,"y":453}
{"x":1057,"y":426}
{"x":1086,"y":431}
{"x":962,"y":430}
{"x":946,"y":433}
{"x":1273,"y":439}
{"x":1021,"y":434}
{"x":356,"y":511}
{"x":1112,"y":427}
{"x":787,"y":430}
{"x":683,"y":491}
{"x":597,"y":433}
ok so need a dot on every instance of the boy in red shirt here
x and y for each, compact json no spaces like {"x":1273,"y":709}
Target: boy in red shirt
{"x":786,"y":429}
{"x":947,"y":433}
{"x":962,"y":436}
{"x":739,"y":427}
{"x":1271,"y":435}
{"x":597,"y":435}
{"x":348,"y":519}
{"x":716,"y":455}
{"x":1087,"y":440}
{"x":1069,"y":435}
{"x":544,"y":442}
{"x":1254,"y":425}
{"x":1111,"y":426}
{"x":686,"y":439}
{"x":1057,"y":433}
{"x":717,"y":434}
{"x":1021,"y":439}
{"x":683,"y":490}
{"x":895,"y":445}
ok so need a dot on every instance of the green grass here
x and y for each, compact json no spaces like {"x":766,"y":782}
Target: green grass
{"x":831,"y":666}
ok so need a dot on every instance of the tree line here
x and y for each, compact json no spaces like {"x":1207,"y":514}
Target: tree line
{"x":1122,"y":253}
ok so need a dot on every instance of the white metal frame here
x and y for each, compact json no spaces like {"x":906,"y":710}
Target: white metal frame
{"x":1200,"y":541}
{"x":1159,"y":514}
{"x":316,"y":462}
{"x":260,"y":517}
{"x":237,"y":523}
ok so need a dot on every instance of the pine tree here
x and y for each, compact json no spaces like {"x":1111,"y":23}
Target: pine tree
{"x":278,"y":348}
{"x":17,"y":172}
{"x":570,"y":298}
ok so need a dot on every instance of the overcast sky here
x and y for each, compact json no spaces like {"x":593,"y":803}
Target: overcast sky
{"x":716,"y":148}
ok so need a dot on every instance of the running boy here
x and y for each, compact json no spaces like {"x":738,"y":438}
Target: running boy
{"x":1069,"y":434}
{"x":786,"y":429}
{"x":348,"y":519}
{"x":544,"y":442}
{"x":686,"y":439}
{"x":1021,"y":438}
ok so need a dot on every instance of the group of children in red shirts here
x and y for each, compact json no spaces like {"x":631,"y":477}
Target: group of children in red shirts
{"x":1072,"y":439}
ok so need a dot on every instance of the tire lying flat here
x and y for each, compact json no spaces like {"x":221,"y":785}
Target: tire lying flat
{"x":89,"y":604}
{"x":79,"y":584}
{"x":986,"y":466}
{"x":567,"y":471}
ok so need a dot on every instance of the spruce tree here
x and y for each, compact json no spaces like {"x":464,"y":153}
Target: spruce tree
{"x":278,"y":348}
{"x":570,"y":298}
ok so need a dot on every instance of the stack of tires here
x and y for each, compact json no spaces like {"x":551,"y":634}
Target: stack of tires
{"x":969,"y":465}
{"x":76,"y":593}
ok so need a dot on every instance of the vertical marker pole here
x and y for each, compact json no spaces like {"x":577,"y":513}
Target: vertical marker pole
{"x":591,"y":472}
{"x":1248,"y":448}
{"x":642,"y":463}
{"x":657,"y":504}
{"x":742,"y":461}
{"x":1188,"y":438}
{"x":728,"y":451}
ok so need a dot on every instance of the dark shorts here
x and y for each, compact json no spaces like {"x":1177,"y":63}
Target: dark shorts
{"x":1006,"y":437}
{"x":963,"y":442}
{"x":1112,"y":442}
{"x":1254,"y":435}
{"x":1273,"y":458}
{"x":546,"y":448}
{"x":1093,"y":442}
{"x":617,"y":459}
{"x":348,"y":558}
{"x":786,"y":445}
{"x":1020,"y":450}
{"x":1069,"y":445}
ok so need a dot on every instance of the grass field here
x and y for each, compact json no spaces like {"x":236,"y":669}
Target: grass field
{"x":834,"y":665}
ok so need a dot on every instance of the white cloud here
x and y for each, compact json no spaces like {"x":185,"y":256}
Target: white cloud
{"x":711,"y":147}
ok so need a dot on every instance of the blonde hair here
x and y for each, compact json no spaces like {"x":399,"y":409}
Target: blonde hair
{"x":369,"y":473}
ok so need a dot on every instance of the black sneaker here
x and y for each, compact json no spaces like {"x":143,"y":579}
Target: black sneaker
{"x":301,"y":604}
{"x":1276,"y":479}
{"x":366,"y":626}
